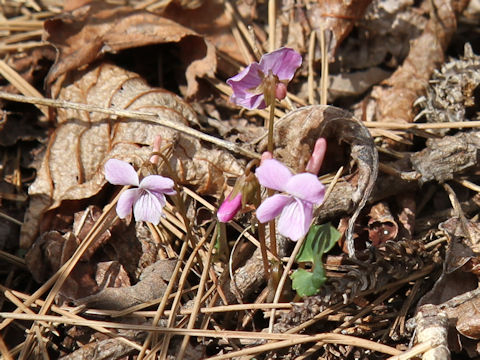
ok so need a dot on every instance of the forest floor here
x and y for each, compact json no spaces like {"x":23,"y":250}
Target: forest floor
{"x":383,"y":111}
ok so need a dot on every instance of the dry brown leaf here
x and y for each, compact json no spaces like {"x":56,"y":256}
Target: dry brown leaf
{"x":443,"y":158}
{"x":152,"y":285}
{"x":88,"y":32}
{"x":72,"y":168}
{"x":297,"y":131}
{"x":395,"y":96}
{"x":211,"y":20}
{"x":382,"y":227}
{"x":336,"y":16}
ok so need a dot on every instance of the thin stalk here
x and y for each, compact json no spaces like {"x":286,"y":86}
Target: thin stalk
{"x":270,"y":192}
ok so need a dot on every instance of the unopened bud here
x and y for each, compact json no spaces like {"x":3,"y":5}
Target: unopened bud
{"x":318,"y":154}
{"x":280,"y":91}
{"x":229,"y":207}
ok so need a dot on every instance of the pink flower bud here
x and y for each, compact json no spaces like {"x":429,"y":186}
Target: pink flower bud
{"x":318,"y":154}
{"x":280,"y":91}
{"x":229,"y":208}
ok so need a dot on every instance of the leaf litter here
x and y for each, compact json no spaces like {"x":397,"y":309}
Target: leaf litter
{"x":401,"y":167}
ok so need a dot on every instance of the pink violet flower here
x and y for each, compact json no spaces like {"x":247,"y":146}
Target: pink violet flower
{"x":251,"y":84}
{"x":147,"y":197}
{"x":295,"y":204}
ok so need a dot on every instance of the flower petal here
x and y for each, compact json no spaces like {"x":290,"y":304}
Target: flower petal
{"x":272,"y":207}
{"x":229,"y":208}
{"x":149,"y":207}
{"x":125,"y":202}
{"x":244,"y":85}
{"x":283,"y":63}
{"x":273,"y":174}
{"x":295,"y":220}
{"x":158,"y":184}
{"x":306,"y":186}
{"x":118,"y":172}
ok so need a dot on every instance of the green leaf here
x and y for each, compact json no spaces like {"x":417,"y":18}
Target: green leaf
{"x":308,"y":283}
{"x":320,"y":239}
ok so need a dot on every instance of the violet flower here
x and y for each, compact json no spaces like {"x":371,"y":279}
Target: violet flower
{"x":147,"y":197}
{"x":295,"y":205}
{"x":252,"y":83}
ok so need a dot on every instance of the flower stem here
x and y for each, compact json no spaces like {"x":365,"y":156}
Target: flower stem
{"x":270,"y":192}
{"x":270,"y":144}
{"x":263,"y":243}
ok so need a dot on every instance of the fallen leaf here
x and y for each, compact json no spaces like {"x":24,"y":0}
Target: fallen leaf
{"x":337,"y":17}
{"x":395,"y":96}
{"x":88,"y":32}
{"x":296,"y":133}
{"x":382,"y":227}
{"x":152,"y":285}
{"x":443,"y":158}
{"x":72,"y":168}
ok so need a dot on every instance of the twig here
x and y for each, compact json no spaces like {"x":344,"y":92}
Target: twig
{"x":151,"y":117}
{"x":272,"y":24}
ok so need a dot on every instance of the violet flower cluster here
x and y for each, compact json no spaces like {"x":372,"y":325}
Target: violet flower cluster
{"x":252,"y":84}
{"x":147,"y":197}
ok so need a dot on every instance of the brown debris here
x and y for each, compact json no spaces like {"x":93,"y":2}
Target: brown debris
{"x":86,"y":33}
{"x":396,"y":95}
{"x":60,"y":179}
{"x":382,"y":227}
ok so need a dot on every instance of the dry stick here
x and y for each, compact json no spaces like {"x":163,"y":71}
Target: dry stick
{"x":281,"y":283}
{"x":181,"y":209}
{"x":158,"y":329}
{"x":423,"y":126}
{"x":324,"y":338}
{"x":183,"y":277}
{"x":61,"y":275}
{"x":285,"y":339}
{"x":400,"y":319}
{"x":368,"y":308}
{"x":324,"y":78}
{"x":419,"y":274}
{"x":20,"y":83}
{"x":413,"y":352}
{"x":243,"y":29}
{"x":4,"y":350}
{"x":272,"y":19}
{"x":198,"y":297}
{"x":311,"y":55}
{"x":151,"y":117}
{"x":165,"y":298}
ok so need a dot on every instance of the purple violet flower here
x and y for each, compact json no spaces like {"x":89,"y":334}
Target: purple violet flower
{"x":148,"y":196}
{"x":251,"y":84}
{"x":295,"y":206}
{"x":229,"y":208}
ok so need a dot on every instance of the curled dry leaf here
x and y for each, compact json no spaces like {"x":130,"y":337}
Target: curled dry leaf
{"x":90,"y":31}
{"x":381,"y":225}
{"x":72,"y":168}
{"x":294,"y":149}
{"x":394,"y":98}
{"x":297,"y":131}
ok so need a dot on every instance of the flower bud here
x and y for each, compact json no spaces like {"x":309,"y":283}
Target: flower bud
{"x":318,"y":154}
{"x":229,"y":208}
